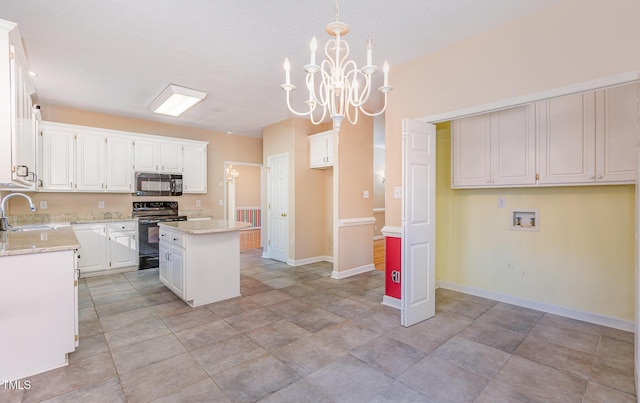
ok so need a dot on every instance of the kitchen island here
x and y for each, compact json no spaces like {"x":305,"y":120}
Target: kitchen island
{"x":200,"y":260}
{"x":38,"y":296}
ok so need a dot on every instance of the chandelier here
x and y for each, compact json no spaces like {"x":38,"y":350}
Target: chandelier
{"x":337,"y":90}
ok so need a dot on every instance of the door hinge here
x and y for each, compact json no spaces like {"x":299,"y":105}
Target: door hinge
{"x":537,"y":177}
{"x":10,"y":55}
{"x":76,"y":338}
{"x":269,"y":242}
{"x":109,"y":264}
{"x":75,"y":283}
{"x":75,"y":137}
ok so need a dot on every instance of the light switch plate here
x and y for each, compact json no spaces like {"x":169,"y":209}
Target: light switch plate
{"x":397,"y":192}
{"x":197,"y":203}
{"x":100,"y":204}
{"x":43,"y":205}
{"x":365,"y":194}
{"x":502,"y":202}
{"x":221,"y":202}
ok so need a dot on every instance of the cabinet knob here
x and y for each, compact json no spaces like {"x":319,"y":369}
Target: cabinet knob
{"x":599,"y":176}
{"x":592,"y":177}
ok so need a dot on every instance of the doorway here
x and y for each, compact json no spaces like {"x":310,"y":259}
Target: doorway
{"x":242,"y":196}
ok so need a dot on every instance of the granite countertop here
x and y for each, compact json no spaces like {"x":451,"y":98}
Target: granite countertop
{"x":40,"y":240}
{"x":72,"y":218}
{"x":205,"y":227}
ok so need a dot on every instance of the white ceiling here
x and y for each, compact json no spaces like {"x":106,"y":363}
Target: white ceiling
{"x":116,"y":56}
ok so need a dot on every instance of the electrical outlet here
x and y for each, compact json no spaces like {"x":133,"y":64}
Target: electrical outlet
{"x":197,"y":203}
{"x":100,"y":204}
{"x":43,"y":205}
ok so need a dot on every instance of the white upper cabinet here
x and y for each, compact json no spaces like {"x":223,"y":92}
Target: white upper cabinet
{"x":86,"y":159}
{"x":171,"y":157}
{"x":495,"y":149}
{"x":146,"y":155}
{"x":90,"y":161}
{"x":566,"y":130}
{"x":616,"y":133}
{"x":589,"y":138}
{"x":17,"y":131}
{"x":195,"y":169}
{"x":58,"y":160}
{"x":321,"y":150}
{"x":119,"y":164}
{"x":471,"y":151}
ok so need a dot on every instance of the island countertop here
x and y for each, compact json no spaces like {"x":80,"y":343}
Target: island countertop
{"x":37,"y":241}
{"x":205,"y":227}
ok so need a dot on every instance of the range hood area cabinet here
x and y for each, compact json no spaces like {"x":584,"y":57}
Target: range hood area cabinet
{"x":17,"y":117}
{"x":582,"y":139}
{"x":85,"y":159}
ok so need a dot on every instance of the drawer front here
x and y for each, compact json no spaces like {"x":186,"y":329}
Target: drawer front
{"x":123,"y":226}
{"x":172,"y":237}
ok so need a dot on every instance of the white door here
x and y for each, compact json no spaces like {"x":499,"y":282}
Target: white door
{"x":277,"y":198}
{"x":418,"y":221}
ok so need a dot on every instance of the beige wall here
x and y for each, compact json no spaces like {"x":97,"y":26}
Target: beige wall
{"x":247,"y":186}
{"x":355,"y":244}
{"x":582,"y":258}
{"x":307,"y":187}
{"x":221,"y":147}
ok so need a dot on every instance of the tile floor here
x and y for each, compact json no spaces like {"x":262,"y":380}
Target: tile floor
{"x":297,"y":335}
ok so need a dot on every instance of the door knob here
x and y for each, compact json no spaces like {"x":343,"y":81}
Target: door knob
{"x":283,"y":214}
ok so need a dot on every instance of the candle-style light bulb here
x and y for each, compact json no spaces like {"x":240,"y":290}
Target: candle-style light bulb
{"x":287,"y":69}
{"x":385,"y":69}
{"x":369,"y":51}
{"x":313,"y":46}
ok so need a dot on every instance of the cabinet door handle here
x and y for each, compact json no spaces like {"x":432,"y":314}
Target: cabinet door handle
{"x":592,"y":177}
{"x":599,"y":176}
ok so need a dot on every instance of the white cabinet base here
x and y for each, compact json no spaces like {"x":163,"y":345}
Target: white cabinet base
{"x":37,"y":295}
{"x":211,"y":265}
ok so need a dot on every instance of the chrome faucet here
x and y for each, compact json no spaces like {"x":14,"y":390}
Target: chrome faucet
{"x":4,"y":221}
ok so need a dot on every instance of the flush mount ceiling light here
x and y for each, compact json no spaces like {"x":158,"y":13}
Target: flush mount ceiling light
{"x":338,"y":92}
{"x":175,"y":100}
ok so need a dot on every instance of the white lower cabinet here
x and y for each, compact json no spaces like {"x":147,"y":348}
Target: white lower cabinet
{"x":200,"y":268}
{"x":92,"y":254}
{"x":172,"y":271}
{"x":39,"y":313}
{"x":123,"y":244}
{"x":107,"y":246}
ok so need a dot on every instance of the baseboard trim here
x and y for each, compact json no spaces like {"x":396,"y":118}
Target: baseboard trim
{"x":541,"y":306}
{"x":392,"y":302}
{"x":309,"y":260}
{"x":352,"y":272}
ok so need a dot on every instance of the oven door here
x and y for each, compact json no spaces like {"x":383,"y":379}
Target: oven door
{"x":149,"y":238}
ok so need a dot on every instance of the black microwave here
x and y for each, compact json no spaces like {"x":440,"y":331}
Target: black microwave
{"x":157,"y":184}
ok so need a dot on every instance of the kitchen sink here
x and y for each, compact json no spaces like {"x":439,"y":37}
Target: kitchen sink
{"x":37,"y":227}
